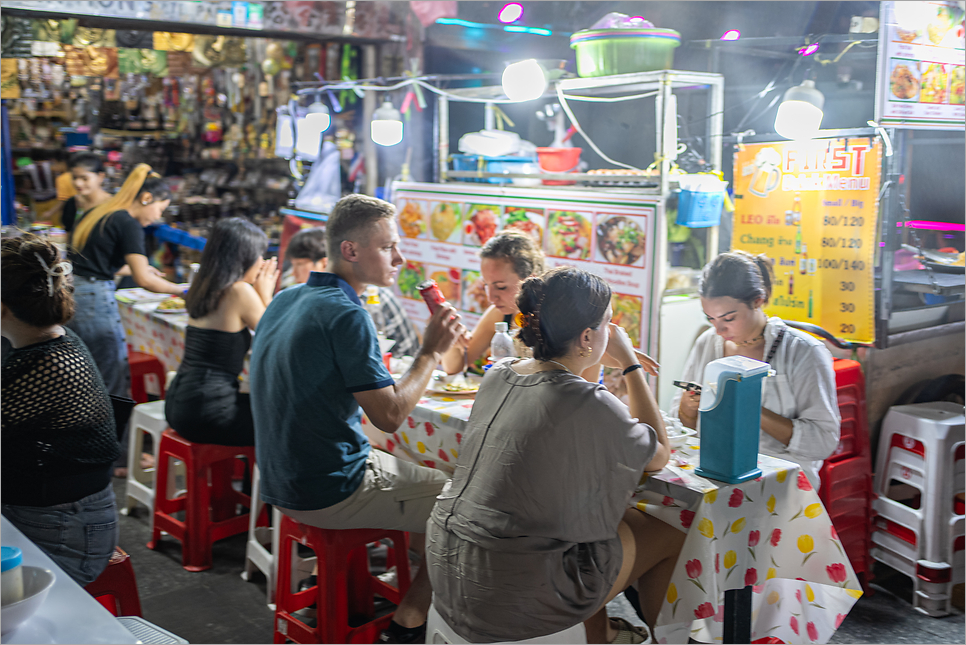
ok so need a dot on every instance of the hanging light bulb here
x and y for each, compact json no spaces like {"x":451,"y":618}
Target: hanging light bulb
{"x":524,"y":80}
{"x":386,"y":128}
{"x":284,"y":137}
{"x":800,"y":113}
{"x":310,"y":129}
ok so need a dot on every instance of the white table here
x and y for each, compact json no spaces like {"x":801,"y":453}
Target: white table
{"x":69,"y":614}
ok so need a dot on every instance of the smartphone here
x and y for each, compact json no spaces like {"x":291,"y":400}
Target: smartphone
{"x":689,"y":386}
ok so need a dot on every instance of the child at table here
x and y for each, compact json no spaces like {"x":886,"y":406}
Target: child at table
{"x":59,"y":438}
{"x":226,"y":299}
{"x":533,"y":534}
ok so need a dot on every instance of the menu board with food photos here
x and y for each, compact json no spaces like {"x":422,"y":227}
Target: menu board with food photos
{"x":611,"y":234}
{"x":921,"y":77}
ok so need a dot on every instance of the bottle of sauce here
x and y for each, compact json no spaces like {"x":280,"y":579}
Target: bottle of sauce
{"x":502,"y":345}
{"x":11,"y":575}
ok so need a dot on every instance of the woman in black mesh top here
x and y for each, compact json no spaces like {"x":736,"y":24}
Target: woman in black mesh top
{"x":58,"y":433}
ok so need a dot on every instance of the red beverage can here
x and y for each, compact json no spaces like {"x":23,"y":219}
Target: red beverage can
{"x":430,"y":292}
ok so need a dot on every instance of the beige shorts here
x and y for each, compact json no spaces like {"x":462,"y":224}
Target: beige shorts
{"x":394,"y":494}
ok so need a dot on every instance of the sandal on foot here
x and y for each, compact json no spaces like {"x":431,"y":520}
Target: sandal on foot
{"x":628,"y":634}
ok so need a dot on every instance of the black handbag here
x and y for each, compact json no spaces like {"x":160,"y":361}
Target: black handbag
{"x":123,"y":407}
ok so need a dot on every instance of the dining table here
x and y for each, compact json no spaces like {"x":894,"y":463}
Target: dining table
{"x":68,"y":614}
{"x":761,"y":561}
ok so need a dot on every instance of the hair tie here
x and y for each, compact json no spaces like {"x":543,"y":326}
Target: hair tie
{"x":62,"y":269}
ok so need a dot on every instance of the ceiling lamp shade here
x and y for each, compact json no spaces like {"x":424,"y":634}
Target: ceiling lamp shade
{"x":386,"y":128}
{"x":800,"y":113}
{"x":524,"y":80}
{"x":308,"y":140}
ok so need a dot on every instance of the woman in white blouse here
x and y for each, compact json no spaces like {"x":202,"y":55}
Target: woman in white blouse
{"x":799,"y":415}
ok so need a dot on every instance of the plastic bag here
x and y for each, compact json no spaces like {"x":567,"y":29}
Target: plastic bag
{"x":496,"y":143}
{"x":615,"y":20}
{"x":324,"y":185}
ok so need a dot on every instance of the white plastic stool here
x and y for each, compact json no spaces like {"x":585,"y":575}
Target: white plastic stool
{"x":438,"y":632}
{"x":918,"y":446}
{"x":257,"y":556}
{"x":141,"y":484}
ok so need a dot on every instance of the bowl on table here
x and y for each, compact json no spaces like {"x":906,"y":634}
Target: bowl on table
{"x":37,"y":582}
{"x":677,"y":433}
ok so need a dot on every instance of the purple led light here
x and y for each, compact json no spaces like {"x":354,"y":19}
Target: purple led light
{"x":808,"y":50}
{"x":931,"y":226}
{"x":731,"y":34}
{"x":511,"y":13}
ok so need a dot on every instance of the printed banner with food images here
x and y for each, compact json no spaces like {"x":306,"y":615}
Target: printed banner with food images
{"x":443,"y":227}
{"x":921,"y":76}
{"x":811,"y":207}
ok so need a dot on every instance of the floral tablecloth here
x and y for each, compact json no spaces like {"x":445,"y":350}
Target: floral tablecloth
{"x":772,"y":534}
{"x":159,"y":334}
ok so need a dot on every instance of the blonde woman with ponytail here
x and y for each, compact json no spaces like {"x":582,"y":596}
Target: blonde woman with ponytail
{"x":105,"y":239}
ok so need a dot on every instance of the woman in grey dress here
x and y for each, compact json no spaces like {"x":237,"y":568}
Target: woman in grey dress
{"x":533,"y":534}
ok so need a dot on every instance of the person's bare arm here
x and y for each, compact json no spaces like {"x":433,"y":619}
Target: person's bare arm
{"x":477,"y":344}
{"x":388,"y":407}
{"x":145,"y":278}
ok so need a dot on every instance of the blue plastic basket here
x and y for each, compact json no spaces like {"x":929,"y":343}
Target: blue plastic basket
{"x":477,"y":163}
{"x":700,"y":209}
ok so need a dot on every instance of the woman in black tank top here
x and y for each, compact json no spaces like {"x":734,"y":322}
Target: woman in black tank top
{"x":226,"y":300}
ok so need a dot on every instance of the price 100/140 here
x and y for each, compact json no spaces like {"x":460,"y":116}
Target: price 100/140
{"x":844,"y":265}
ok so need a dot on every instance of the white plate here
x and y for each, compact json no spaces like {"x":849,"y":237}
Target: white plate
{"x":438,"y":385}
{"x":679,"y":437}
{"x":36,"y":583}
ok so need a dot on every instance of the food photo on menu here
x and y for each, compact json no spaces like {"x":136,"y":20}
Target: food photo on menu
{"x":448,"y":281}
{"x":411,"y":274}
{"x":620,"y":239}
{"x":570,"y":234}
{"x":933,"y":86}
{"x":957,"y":85}
{"x":482,"y":222}
{"x":444,"y":222}
{"x":904,"y":82}
{"x":412,"y":219}
{"x":529,"y":220}
{"x":475,"y":299}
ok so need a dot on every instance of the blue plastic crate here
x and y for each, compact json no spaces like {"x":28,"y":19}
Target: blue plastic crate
{"x":477,"y":163}
{"x":700,"y":209}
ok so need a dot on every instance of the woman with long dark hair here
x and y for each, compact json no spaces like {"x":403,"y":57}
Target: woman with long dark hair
{"x":105,"y":239}
{"x":59,"y":436}
{"x":226,"y":299}
{"x":87,"y":177}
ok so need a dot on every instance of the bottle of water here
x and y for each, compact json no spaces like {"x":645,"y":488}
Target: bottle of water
{"x":502,"y":345}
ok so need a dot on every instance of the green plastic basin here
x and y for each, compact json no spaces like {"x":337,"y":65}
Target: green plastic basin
{"x":602,"y":52}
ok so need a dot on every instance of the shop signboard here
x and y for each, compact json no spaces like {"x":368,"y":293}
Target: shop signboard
{"x":811,"y":207}
{"x":443,"y":226}
{"x":921,"y":71}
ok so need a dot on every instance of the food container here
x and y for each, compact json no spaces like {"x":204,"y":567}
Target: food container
{"x":602,"y":52}
{"x":11,"y":575}
{"x":700,"y":201}
{"x":558,"y":160}
{"x":502,"y":165}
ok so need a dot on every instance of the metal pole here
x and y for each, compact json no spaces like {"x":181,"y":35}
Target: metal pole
{"x":890,"y":215}
{"x":9,"y":214}
{"x":368,"y":107}
{"x":714,"y":146}
{"x":442,"y":107}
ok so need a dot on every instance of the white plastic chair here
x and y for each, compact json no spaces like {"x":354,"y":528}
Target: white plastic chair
{"x":262,"y":543}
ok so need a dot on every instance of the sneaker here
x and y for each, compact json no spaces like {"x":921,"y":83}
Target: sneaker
{"x":396,"y":633}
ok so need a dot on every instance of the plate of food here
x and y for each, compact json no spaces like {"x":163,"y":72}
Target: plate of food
{"x":530,"y":221}
{"x":620,"y":240}
{"x":570,"y":235}
{"x":412,"y":219}
{"x":481,"y":223}
{"x":933,"y":83}
{"x":904,"y":82}
{"x":677,"y":434}
{"x":444,"y":221}
{"x":957,"y":85}
{"x":627,"y":314}
{"x":455,"y":384}
{"x":173,"y":305}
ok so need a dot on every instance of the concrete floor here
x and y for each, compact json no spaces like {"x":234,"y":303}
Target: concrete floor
{"x":217,"y":606}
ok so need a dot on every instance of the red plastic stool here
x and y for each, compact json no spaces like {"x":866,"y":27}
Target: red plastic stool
{"x":209,"y":502}
{"x":116,"y":587}
{"x":141,"y":365}
{"x":345,"y":587}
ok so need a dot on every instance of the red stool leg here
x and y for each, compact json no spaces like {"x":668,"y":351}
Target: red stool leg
{"x":196,"y":547}
{"x":116,"y":588}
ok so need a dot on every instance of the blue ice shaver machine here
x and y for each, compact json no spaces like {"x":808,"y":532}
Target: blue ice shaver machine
{"x":730,"y":409}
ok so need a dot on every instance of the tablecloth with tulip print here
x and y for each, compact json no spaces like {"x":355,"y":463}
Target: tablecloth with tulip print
{"x":771,"y":533}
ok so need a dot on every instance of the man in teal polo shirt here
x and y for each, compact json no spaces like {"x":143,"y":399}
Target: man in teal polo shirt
{"x":316,"y":366}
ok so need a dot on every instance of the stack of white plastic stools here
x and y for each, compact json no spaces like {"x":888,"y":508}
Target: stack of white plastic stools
{"x":146,"y":418}
{"x":921,"y":452}
{"x":262,"y":541}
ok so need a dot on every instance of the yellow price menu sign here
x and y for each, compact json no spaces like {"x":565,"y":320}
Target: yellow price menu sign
{"x":811,"y":207}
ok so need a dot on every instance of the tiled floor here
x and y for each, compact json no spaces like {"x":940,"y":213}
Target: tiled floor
{"x":217,"y":606}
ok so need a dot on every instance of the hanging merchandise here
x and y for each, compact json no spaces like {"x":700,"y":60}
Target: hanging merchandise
{"x":179,"y":64}
{"x":135,"y":39}
{"x":17,"y":35}
{"x":171,"y":41}
{"x":9,"y":83}
{"x":91,"y":37}
{"x":100,"y":61}
{"x":349,"y":73}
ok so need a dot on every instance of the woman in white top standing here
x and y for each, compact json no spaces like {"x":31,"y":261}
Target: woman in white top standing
{"x":799,"y":415}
